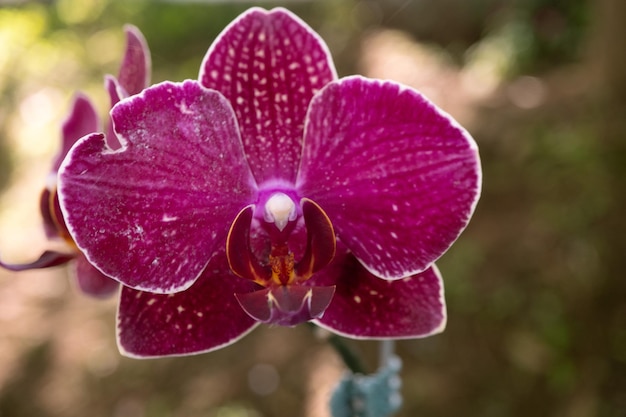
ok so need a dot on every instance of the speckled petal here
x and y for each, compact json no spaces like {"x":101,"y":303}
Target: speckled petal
{"x":92,"y":282}
{"x":367,"y":307}
{"x":203,"y":318}
{"x":398,"y":177}
{"x":152,"y":213}
{"x":269,"y":65}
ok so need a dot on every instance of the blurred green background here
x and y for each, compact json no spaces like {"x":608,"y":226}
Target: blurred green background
{"x":535,"y":287}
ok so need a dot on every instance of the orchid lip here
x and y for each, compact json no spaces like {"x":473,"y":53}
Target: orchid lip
{"x":287,"y":305}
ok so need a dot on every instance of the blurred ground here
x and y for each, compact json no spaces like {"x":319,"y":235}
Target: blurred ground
{"x":535,"y":288}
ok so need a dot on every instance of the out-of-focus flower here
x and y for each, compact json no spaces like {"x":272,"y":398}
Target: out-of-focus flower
{"x":82,"y":120}
{"x":271,"y":191}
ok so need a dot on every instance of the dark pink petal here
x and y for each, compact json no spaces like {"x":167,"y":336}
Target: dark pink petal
{"x":205,"y":317}
{"x":286,"y":305}
{"x":91,"y":281}
{"x":82,"y":120}
{"x":367,"y":307}
{"x":398,"y":177}
{"x":269,"y":65}
{"x":133,"y":77}
{"x":135,"y":69}
{"x":47,"y":259}
{"x":116,"y":93}
{"x":153,"y":213}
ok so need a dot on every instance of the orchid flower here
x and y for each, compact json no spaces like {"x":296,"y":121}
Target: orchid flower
{"x":82,"y":120}
{"x":270,"y":191}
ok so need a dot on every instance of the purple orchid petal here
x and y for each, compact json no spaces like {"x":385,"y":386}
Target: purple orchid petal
{"x":91,"y":281}
{"x":116,"y":93}
{"x":82,"y":120}
{"x":367,"y":307}
{"x":47,"y":259}
{"x":398,"y":178}
{"x":269,"y":65}
{"x":133,"y":77}
{"x":136,"y":66}
{"x":153,"y":213}
{"x":286,"y":305}
{"x":203,"y":318}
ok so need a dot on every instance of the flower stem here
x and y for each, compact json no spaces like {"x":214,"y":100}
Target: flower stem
{"x":387,"y":348}
{"x":348,"y":355}
{"x":350,"y":358}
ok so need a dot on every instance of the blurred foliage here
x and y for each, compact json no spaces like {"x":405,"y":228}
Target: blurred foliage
{"x":72,"y":42}
{"x":536,"y":297}
{"x":535,"y":34}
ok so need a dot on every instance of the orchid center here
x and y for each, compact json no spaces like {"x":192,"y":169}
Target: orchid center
{"x":286,"y":300}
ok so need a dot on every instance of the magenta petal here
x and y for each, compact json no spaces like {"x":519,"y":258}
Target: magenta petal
{"x":116,"y":93}
{"x":134,"y":73}
{"x":82,"y":120}
{"x":367,"y":307}
{"x":153,"y":213}
{"x":205,"y":317}
{"x":91,"y":281}
{"x":47,"y":259}
{"x":269,"y":65}
{"x":398,"y":178}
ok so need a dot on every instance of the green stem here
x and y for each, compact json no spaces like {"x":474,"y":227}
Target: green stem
{"x":387,"y":348}
{"x":348,"y":355}
{"x":350,"y":358}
